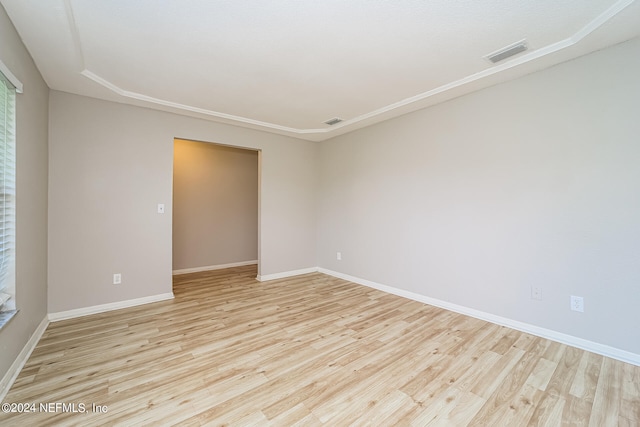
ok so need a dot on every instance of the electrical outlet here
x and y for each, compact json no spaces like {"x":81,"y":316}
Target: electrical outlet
{"x":339,"y":256}
{"x":117,"y":279}
{"x":577,"y":303}
{"x":536,"y":292}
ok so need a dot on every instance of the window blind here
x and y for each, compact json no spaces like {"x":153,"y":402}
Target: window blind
{"x":7,"y":193}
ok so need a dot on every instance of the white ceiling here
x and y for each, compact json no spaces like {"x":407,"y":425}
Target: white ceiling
{"x":286,"y":66}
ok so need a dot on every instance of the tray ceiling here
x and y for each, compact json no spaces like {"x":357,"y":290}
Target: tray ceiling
{"x":287,"y":66}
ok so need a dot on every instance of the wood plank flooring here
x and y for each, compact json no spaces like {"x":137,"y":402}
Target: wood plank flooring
{"x":310,"y":350}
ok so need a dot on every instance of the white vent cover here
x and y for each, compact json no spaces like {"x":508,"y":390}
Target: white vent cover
{"x":333,"y":121}
{"x":507,"y":52}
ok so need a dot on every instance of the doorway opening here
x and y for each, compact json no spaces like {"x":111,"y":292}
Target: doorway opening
{"x":216,"y":206}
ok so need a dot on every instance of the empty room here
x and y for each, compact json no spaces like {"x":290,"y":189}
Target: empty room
{"x":335,"y":213}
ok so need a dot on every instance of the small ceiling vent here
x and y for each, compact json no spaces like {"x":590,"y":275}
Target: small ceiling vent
{"x":333,"y":121}
{"x":507,"y":52}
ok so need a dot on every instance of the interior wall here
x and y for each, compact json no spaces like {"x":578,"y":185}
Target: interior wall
{"x":110,"y":165}
{"x":31,"y":196}
{"x":215,"y":205}
{"x":534,"y":182}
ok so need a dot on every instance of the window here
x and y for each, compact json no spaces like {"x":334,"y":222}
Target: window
{"x":7,"y":193}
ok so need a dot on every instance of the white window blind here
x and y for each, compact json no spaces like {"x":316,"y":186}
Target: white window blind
{"x":7,"y":193}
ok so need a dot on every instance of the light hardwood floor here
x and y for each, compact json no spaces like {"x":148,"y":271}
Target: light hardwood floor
{"x":307,"y":351}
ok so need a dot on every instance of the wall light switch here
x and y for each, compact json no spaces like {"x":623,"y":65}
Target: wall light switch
{"x":160,"y":207}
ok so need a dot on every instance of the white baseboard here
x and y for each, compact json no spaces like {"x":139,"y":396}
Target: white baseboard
{"x":11,"y":375}
{"x":284,"y":274}
{"x":214,"y":267}
{"x":594,"y":347}
{"x":79,"y":312}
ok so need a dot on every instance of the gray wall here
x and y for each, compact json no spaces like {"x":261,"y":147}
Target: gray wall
{"x":111,"y":164}
{"x":531,"y":182}
{"x":215,"y":205}
{"x":31,"y":196}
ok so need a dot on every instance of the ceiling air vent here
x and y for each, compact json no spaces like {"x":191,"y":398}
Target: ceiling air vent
{"x":333,"y":121}
{"x":507,"y":52}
